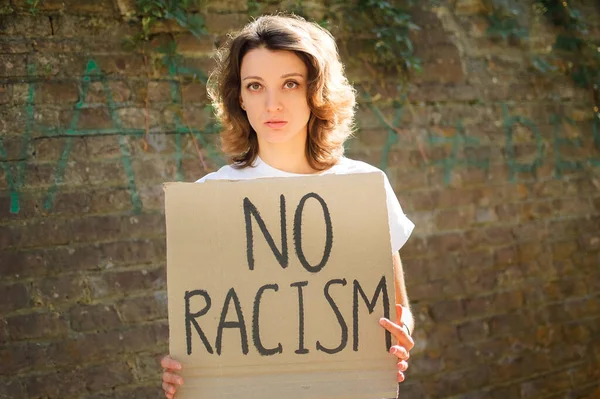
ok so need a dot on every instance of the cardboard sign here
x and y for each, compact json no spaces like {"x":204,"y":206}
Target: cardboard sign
{"x":276,"y":285}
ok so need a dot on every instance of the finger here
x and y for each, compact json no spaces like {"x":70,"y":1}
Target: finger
{"x":171,"y":378}
{"x":399,"y":311}
{"x":398,"y":332}
{"x":402,"y":365}
{"x":168,"y":388}
{"x":168,"y":363}
{"x":400,"y":352}
{"x":400,"y":376}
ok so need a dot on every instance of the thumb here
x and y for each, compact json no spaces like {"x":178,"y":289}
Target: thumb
{"x":399,"y":310}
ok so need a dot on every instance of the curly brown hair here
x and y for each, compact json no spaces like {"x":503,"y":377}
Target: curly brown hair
{"x":330,"y":96}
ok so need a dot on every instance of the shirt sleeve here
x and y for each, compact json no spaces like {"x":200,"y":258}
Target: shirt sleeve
{"x":400,"y":225}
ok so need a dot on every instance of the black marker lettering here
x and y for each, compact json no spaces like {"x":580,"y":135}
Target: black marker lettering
{"x":255,"y":330}
{"x":190,"y":318}
{"x":250,"y":210}
{"x":298,"y":233}
{"x":301,"y":349}
{"x":381,"y":289}
{"x":340,"y":319}
{"x":231,"y":295}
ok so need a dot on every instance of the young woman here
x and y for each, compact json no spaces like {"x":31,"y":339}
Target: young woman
{"x":286,"y":108}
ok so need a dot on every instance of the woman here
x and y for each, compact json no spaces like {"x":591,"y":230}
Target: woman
{"x":286,"y":109}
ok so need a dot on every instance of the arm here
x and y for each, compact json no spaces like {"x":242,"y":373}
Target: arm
{"x":401,"y":296}
{"x":404,"y":342}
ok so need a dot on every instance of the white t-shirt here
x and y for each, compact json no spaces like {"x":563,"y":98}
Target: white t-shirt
{"x":400,"y":226}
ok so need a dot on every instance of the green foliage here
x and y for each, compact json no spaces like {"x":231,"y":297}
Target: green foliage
{"x":505,"y":27}
{"x":380,"y":31}
{"x":574,"y":53}
{"x":503,"y":22}
{"x":6,"y":10}
{"x":33,"y":6}
{"x":153,"y":11}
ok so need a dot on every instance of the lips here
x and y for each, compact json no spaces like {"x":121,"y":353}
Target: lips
{"x":276,"y":124}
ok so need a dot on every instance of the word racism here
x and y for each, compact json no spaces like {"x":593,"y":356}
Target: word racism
{"x":233,"y":305}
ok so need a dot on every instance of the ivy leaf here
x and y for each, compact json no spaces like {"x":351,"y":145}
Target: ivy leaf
{"x":568,"y":43}
{"x":542,"y":65}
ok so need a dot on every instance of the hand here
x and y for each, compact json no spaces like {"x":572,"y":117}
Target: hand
{"x":170,"y":379}
{"x":404,"y":341}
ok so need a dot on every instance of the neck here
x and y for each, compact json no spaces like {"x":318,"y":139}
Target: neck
{"x":286,"y":157}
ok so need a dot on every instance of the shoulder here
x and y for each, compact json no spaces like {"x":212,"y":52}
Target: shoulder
{"x":347,"y":165}
{"x":225,"y":173}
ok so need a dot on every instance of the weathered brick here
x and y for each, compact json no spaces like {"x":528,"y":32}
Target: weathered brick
{"x":159,"y":91}
{"x":140,"y":392}
{"x":37,"y":325}
{"x":11,"y":388}
{"x":122,"y":65}
{"x":581,"y":374}
{"x":153,"y":170}
{"x":91,"y":26}
{"x":56,"y":92}
{"x":107,"y":376}
{"x":137,"y":118}
{"x":5,"y":93}
{"x":54,"y":384}
{"x":28,"y":25}
{"x":134,"y":310}
{"x":126,"y":282}
{"x":11,"y":45}
{"x":89,"y":118}
{"x":194,"y":93}
{"x":115,"y":91}
{"x":190,"y":46}
{"x":455,"y":219}
{"x":51,"y":149}
{"x":563,"y":249}
{"x":425,"y":365}
{"x":223,"y":23}
{"x":13,"y":65}
{"x":505,"y":256}
{"x":89,"y":7}
{"x":16,"y":296}
{"x":447,"y":310}
{"x":549,"y":384}
{"x":448,"y":242}
{"x":13,"y":360}
{"x":455,"y":382}
{"x":147,"y":367}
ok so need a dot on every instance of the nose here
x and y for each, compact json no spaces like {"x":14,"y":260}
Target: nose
{"x":273,"y":101}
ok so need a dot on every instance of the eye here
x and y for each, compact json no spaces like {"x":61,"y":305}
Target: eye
{"x":290,"y":84}
{"x":254,"y":86}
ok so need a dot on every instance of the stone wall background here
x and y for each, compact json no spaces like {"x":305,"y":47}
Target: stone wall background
{"x":503,"y":270}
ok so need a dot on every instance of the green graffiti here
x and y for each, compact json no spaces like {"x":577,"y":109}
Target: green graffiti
{"x":173,"y":62}
{"x":514,"y":166}
{"x":596,"y":135}
{"x":596,"y":130}
{"x":15,"y":177}
{"x":93,"y":72}
{"x":392,"y":137}
{"x":15,"y":184}
{"x":460,"y":139}
{"x":560,"y":164}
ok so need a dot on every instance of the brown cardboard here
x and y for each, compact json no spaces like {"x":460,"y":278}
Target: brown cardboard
{"x":208,"y":255}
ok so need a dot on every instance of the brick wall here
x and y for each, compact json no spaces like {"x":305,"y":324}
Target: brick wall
{"x":503,"y":269}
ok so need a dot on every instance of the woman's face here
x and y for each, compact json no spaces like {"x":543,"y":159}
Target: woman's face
{"x":273,"y":94}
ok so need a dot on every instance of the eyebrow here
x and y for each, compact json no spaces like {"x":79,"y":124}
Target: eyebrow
{"x":287,"y":75}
